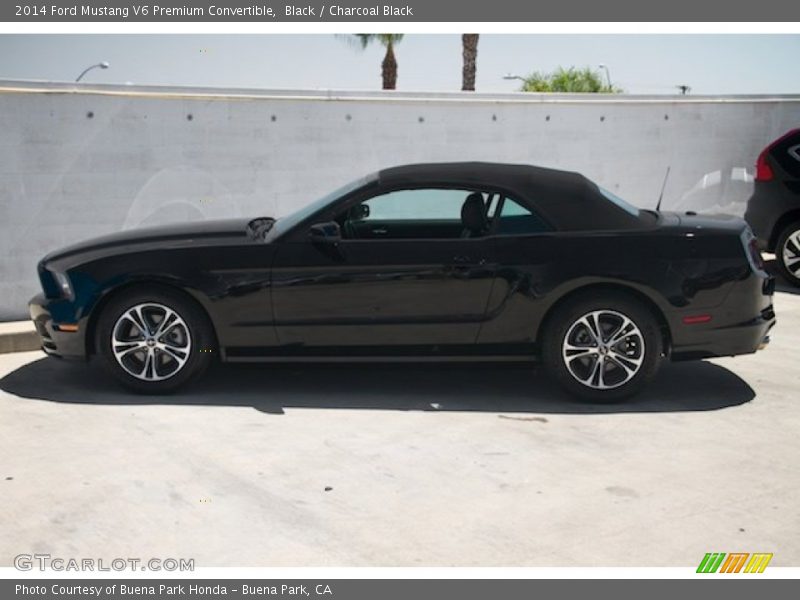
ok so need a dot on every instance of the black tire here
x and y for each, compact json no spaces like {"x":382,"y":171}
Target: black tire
{"x":641,"y":353}
{"x":788,"y":245}
{"x":166,"y":373}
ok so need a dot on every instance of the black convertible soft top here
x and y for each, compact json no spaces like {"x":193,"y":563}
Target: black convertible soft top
{"x":568,"y":200}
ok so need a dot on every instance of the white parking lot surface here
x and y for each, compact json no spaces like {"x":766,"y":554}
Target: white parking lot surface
{"x":405,"y":465}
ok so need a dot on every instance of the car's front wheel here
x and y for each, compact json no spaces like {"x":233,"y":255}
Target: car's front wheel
{"x":602,"y":348}
{"x":154,"y":341}
{"x":788,"y":253}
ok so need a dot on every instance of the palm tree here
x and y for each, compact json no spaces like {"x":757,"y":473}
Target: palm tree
{"x":389,"y":64}
{"x":469,"y":45}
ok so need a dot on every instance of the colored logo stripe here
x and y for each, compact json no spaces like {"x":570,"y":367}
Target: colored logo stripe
{"x":758,"y":563}
{"x":734,"y":562}
{"x":711,"y":562}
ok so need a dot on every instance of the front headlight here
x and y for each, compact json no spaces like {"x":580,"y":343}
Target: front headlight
{"x":64,"y":285}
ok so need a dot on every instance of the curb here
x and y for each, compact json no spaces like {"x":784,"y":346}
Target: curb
{"x":18,"y":336}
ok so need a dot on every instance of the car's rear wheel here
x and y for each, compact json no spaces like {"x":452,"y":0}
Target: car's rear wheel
{"x":603,"y":347}
{"x":787,"y":253}
{"x":154,"y":341}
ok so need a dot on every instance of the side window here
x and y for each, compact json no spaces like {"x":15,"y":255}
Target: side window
{"x":424,"y":213}
{"x":515,"y":219}
{"x":417,"y":205}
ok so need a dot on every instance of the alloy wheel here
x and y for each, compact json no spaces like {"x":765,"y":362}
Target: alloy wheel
{"x":603,"y":349}
{"x":151,"y":341}
{"x":791,"y":254}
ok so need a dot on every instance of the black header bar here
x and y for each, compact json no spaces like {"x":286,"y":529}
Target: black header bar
{"x":165,"y":11}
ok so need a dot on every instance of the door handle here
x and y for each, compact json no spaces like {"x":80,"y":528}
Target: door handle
{"x":380,"y":231}
{"x":468,"y":260}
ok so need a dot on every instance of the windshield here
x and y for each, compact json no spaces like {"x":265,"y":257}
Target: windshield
{"x":623,"y":204}
{"x":288,"y":222}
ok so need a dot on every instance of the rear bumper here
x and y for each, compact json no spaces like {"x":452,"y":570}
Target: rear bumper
{"x":744,"y":338}
{"x":55,"y":340}
{"x":741,"y":325}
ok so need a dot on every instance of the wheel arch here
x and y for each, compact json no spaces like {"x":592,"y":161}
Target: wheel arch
{"x":611,"y":287}
{"x":150,"y":284}
{"x":784,"y":221}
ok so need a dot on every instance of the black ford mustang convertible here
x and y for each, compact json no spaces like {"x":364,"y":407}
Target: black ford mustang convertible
{"x":467,"y":261}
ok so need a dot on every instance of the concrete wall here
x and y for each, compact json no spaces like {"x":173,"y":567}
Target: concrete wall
{"x":78,"y":161}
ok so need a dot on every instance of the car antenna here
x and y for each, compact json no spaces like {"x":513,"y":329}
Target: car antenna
{"x":663,"y":187}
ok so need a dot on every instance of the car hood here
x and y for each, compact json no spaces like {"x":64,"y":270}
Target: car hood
{"x":199,"y":232}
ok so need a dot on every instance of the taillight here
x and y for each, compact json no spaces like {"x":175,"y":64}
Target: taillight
{"x":763,"y":170}
{"x":752,"y":251}
{"x":755,"y":253}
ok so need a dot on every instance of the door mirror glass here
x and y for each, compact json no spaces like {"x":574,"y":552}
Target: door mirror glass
{"x":359,"y":212}
{"x":326,"y":233}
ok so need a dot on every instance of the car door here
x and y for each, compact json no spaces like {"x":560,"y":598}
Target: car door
{"x":531,"y":260}
{"x":403,"y":274}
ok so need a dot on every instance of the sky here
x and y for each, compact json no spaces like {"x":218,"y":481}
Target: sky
{"x":640,"y":64}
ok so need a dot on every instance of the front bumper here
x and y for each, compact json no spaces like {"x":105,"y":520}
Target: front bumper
{"x":56,"y":341}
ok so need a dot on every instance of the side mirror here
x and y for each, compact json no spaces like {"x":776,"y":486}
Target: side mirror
{"x":359,"y":212}
{"x":325,"y":233}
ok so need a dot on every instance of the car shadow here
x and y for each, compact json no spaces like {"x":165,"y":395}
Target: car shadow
{"x":489,"y":387}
